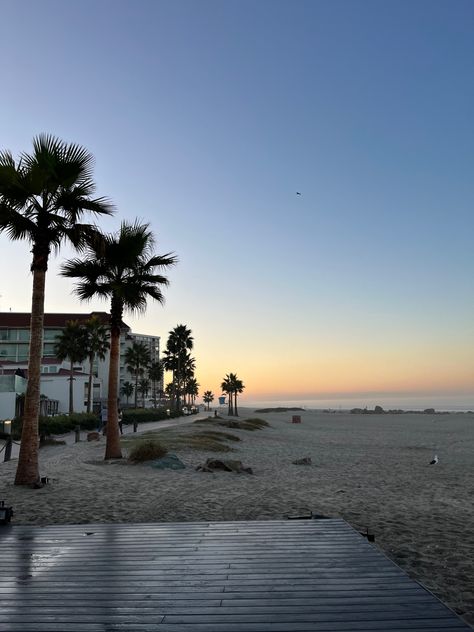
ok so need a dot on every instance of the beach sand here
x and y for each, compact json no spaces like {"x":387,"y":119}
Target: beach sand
{"x":371,"y":470}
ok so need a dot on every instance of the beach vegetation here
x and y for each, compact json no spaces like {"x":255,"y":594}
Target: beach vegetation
{"x":207,"y":398}
{"x":96,"y":345}
{"x":58,"y":425}
{"x":137,"y":359}
{"x":132,"y":415}
{"x":172,"y":439}
{"x":43,"y":198}
{"x":232,"y":386}
{"x":127,"y":390}
{"x":147,"y":451}
{"x":177,"y":359}
{"x":123,"y":269}
{"x":155,"y":375}
{"x":71,"y":345}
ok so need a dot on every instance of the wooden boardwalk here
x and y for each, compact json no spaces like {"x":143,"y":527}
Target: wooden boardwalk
{"x":265,"y":576}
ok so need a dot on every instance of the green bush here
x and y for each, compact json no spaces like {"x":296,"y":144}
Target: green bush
{"x":60,"y":424}
{"x":147,"y":451}
{"x":133,"y":415}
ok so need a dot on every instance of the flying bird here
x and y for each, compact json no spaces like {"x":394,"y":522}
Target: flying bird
{"x":298,"y":193}
{"x":435,"y":460}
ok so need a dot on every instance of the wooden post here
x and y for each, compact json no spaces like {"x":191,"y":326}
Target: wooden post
{"x":8,"y":450}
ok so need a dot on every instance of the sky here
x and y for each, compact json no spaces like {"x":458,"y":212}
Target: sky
{"x":207,"y":117}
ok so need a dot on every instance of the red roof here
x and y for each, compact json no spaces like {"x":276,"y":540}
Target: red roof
{"x":22,"y":319}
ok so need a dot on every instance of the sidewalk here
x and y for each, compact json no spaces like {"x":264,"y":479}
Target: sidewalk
{"x":144,"y":426}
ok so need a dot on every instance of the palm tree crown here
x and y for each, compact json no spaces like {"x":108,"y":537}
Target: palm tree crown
{"x":43,"y":197}
{"x":120,"y":268}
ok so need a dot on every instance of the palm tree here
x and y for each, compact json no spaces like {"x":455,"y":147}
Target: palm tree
{"x":178,"y":344}
{"x":227,"y":388}
{"x":155,"y":373}
{"x":188,"y":366}
{"x":208,"y":397}
{"x":192,"y":389}
{"x":238,"y":388}
{"x":127,"y":390}
{"x":43,"y":198}
{"x":137,"y":358}
{"x":97,"y":344}
{"x":71,"y":345}
{"x":144,"y":388}
{"x":121,"y":269}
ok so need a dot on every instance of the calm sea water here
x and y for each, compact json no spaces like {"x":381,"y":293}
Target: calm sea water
{"x":456,"y":403}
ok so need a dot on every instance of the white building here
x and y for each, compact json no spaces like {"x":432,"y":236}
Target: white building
{"x":14,"y":348}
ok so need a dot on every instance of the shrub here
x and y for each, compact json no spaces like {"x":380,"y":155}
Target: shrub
{"x":60,"y":424}
{"x":132,"y":415}
{"x":147,"y":451}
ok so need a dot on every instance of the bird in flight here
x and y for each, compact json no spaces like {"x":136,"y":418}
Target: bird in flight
{"x":298,"y":193}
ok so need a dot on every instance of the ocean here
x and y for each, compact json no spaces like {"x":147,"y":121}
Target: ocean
{"x":454,"y":403}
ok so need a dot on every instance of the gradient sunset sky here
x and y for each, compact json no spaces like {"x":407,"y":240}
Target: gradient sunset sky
{"x":207,"y":116}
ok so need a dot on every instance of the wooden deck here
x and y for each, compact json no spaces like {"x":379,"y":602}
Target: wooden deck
{"x":266,"y":576}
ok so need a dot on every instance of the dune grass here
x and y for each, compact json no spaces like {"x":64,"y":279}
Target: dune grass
{"x":172,"y":439}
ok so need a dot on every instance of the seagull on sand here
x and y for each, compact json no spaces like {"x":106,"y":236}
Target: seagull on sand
{"x":435,"y":460}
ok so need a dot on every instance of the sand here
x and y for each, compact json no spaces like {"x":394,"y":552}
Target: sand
{"x":373,"y":471}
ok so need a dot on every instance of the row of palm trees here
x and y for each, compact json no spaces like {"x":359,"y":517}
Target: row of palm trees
{"x":78,"y":342}
{"x":44,"y":198}
{"x":231,"y":386}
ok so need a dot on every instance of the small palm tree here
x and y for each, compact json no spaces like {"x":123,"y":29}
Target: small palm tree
{"x":144,"y":388}
{"x":127,"y":390}
{"x":192,"y":389}
{"x":137,"y":358}
{"x":71,"y":345}
{"x":208,"y":397}
{"x":97,"y":345}
{"x":43,"y":198}
{"x":121,"y":269}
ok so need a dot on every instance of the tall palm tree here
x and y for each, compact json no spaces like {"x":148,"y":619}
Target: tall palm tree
{"x":122,"y":269}
{"x":192,"y":389}
{"x":127,"y":390}
{"x":178,"y":344}
{"x":43,"y":197}
{"x":71,"y":345}
{"x":238,"y":386}
{"x":144,"y":388}
{"x":227,"y":388}
{"x":208,"y":397}
{"x":188,"y":366}
{"x":137,"y":359}
{"x":97,"y":344}
{"x":155,"y":374}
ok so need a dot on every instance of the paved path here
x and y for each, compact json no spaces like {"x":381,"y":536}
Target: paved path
{"x":144,"y":426}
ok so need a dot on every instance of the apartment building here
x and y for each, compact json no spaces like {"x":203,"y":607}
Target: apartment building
{"x":14,"y":348}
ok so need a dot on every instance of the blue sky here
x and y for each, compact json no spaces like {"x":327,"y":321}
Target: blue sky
{"x":206,"y":117}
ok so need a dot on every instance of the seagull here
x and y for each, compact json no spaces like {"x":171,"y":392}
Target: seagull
{"x":435,"y":460}
{"x":298,"y":193}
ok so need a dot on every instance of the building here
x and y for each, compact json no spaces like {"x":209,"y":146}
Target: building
{"x":14,"y":348}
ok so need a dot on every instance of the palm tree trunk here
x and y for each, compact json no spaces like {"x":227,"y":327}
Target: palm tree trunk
{"x":27,"y":471}
{"x":71,"y":389}
{"x":136,"y":388}
{"x":235,"y":404}
{"x":89,"y":394}
{"x":112,"y":448}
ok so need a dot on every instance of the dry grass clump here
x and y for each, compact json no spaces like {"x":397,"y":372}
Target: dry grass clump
{"x":173,"y":439}
{"x":147,"y":451}
{"x":246,"y":424}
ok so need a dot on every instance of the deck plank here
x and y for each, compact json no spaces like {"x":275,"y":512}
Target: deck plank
{"x":258,"y":576}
